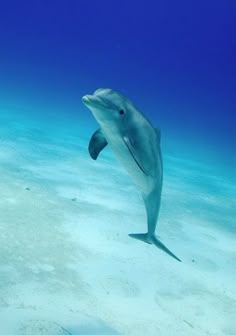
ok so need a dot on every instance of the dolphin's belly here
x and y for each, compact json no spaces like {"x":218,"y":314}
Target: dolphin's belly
{"x":122,"y":153}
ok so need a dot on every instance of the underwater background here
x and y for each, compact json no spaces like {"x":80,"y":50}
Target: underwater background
{"x":67,"y":264}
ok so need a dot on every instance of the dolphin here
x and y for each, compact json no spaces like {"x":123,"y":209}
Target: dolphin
{"x":136,"y":144}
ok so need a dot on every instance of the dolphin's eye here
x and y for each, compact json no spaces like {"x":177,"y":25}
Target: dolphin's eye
{"x":121,"y":112}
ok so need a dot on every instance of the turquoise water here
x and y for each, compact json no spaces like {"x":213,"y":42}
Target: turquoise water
{"x":67,"y":263}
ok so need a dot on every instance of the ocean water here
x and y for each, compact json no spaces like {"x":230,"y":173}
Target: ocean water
{"x":67,"y":264}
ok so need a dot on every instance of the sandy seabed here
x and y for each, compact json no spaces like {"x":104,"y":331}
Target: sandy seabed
{"x":67,"y":265}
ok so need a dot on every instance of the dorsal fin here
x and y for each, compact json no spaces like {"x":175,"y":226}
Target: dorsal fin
{"x":158,"y":133}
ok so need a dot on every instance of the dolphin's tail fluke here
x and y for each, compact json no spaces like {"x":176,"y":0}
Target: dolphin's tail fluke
{"x":154,"y":240}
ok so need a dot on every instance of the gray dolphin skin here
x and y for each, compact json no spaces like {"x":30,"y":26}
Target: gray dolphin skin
{"x":136,"y":144}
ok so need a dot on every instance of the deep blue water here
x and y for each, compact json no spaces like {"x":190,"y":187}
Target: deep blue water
{"x":175,"y":60}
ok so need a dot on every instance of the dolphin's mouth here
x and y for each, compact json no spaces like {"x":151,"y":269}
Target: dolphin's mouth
{"x":90,"y":100}
{"x":85,"y":99}
{"x":95,"y":101}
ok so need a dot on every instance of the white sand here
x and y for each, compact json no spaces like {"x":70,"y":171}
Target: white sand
{"x":67,"y":265}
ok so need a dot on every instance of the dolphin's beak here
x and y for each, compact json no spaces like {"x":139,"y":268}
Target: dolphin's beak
{"x":87,"y":99}
{"x":92,"y":101}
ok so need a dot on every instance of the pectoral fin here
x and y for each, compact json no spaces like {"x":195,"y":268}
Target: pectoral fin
{"x":135,"y":155}
{"x":97,"y":144}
